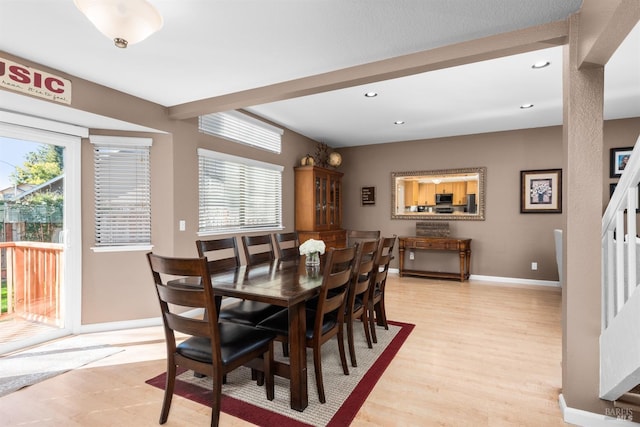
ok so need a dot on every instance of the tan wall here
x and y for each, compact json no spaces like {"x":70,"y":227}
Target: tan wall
{"x":505,"y":243}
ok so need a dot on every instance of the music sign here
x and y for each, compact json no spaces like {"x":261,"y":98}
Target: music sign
{"x":30,"y":81}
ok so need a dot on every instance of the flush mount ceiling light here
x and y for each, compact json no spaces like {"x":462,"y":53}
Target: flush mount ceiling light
{"x":123,"y":21}
{"x":525,"y":106}
{"x":398,"y":122}
{"x":371,"y":94}
{"x":540,"y":64}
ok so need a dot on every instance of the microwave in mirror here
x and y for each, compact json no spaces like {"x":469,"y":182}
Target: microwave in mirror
{"x":444,"y":199}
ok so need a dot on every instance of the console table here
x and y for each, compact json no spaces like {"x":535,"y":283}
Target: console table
{"x":459,"y":245}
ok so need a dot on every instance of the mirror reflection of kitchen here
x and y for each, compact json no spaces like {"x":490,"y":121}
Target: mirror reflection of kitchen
{"x":437,"y":193}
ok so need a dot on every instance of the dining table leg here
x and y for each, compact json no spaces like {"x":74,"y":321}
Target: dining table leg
{"x":298,"y":357}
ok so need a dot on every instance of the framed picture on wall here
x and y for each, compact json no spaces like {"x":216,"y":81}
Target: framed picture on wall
{"x":541,"y":191}
{"x":619,"y":158}
{"x":368,"y":196}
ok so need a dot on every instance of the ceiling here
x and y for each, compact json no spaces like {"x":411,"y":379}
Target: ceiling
{"x":210,"y":48}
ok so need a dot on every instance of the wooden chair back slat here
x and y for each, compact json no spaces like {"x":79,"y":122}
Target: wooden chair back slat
{"x":258,"y":249}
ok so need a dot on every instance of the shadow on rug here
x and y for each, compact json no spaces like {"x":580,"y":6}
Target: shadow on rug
{"x":345,"y":393}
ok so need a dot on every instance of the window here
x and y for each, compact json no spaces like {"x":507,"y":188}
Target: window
{"x":238,"y":193}
{"x":122,"y":193}
{"x":238,"y":127}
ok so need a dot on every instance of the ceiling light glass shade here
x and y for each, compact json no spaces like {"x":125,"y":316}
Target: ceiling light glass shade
{"x":123,"y":21}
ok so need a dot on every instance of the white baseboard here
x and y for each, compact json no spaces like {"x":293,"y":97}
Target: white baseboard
{"x":138,"y":323}
{"x":580,"y":417}
{"x":116,"y":326}
{"x":497,"y":279}
{"x":515,"y":280}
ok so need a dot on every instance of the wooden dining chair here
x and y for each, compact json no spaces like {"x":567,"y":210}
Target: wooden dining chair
{"x":287,"y":245}
{"x":222,"y":254}
{"x":258,"y":249}
{"x":375,"y":304}
{"x":358,"y":297}
{"x":212,"y":348}
{"x":327,"y":320}
{"x":358,"y":236}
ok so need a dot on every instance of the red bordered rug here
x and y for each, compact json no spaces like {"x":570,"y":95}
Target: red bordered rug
{"x":345,"y":393}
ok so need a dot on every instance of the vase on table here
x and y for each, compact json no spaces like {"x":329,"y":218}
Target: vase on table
{"x":313,"y":260}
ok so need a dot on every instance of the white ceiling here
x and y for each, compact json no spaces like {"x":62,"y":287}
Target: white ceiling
{"x":209,"y":48}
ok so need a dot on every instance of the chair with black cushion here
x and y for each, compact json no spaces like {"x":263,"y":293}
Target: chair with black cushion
{"x":258,"y":249}
{"x":358,"y":299}
{"x":211,"y":348}
{"x":222,"y":254}
{"x":377,"y":311}
{"x":358,"y":236}
{"x":327,"y":319}
{"x":287,"y":245}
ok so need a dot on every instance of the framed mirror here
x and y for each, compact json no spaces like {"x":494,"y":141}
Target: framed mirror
{"x":450,"y":194}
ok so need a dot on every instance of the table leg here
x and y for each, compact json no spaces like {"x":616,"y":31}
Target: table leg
{"x":401,"y":259}
{"x":298,"y":357}
{"x":462,"y":269}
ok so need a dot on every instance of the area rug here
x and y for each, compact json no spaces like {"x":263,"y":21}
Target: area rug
{"x":29,"y":367}
{"x":345,"y":393}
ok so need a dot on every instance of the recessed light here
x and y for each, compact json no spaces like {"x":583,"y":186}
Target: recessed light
{"x":371,"y":94}
{"x":398,"y":122}
{"x":540,"y":64}
{"x":525,"y":106}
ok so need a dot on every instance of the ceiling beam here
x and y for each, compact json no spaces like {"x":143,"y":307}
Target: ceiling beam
{"x":603,"y":27}
{"x":500,"y":45}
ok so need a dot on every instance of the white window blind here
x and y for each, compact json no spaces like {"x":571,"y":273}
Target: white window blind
{"x":122,"y":191}
{"x":237,"y":193}
{"x":238,"y":127}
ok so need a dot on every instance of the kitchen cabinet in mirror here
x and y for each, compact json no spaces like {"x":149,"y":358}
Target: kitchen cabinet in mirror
{"x":450,"y":194}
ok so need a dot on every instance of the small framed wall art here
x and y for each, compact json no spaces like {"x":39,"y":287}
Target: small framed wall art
{"x":541,"y":191}
{"x":368,"y":196}
{"x":618,"y":159}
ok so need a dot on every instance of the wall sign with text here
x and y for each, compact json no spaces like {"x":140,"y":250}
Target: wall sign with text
{"x":368,"y":196}
{"x":30,"y":81}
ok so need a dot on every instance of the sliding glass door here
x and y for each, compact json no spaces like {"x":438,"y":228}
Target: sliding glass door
{"x":39,"y":220}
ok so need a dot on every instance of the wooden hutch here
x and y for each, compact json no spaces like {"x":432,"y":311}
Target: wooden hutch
{"x":319,"y":205}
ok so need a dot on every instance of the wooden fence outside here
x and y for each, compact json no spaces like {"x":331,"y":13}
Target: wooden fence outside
{"x":33,"y":274}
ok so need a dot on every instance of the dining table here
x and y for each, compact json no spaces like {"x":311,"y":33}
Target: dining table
{"x":288,"y":284}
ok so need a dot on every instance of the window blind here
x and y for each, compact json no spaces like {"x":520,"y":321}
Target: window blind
{"x":238,"y":127}
{"x":237,"y":193}
{"x":122,"y":191}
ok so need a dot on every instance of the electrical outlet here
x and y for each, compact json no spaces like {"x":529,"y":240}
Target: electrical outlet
{"x":412,"y":256}
{"x":534,"y":265}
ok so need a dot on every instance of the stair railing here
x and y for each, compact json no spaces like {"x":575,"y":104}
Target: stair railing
{"x":620,"y":251}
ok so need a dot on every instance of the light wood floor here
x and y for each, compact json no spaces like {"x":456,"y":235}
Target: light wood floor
{"x":481,"y":355}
